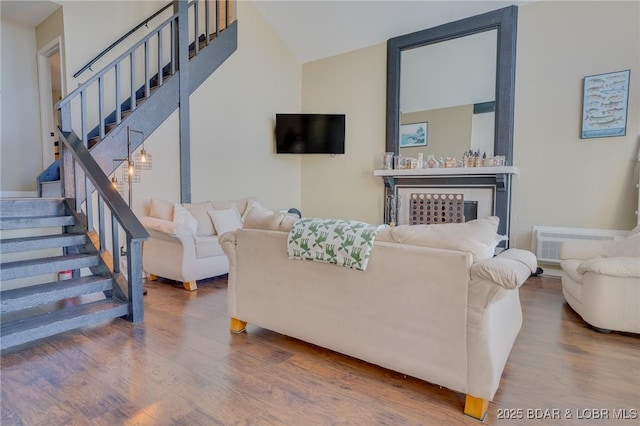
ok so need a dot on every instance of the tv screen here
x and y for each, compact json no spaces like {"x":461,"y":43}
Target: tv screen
{"x":310,"y":133}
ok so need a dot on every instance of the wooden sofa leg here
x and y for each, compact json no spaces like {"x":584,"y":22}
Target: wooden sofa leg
{"x":476,"y":407}
{"x":152,"y":277}
{"x":237,"y":326}
{"x":190,"y":285}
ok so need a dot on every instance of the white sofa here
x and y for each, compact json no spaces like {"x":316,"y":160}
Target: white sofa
{"x":446,"y":316}
{"x":601,"y":281}
{"x":183,"y":239}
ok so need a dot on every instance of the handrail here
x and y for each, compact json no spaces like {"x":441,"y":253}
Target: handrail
{"x":120,"y":40}
{"x":113,"y":63}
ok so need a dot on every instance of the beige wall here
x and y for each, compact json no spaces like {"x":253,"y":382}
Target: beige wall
{"x":343,"y":186}
{"x":20,"y":147}
{"x":564,"y":180}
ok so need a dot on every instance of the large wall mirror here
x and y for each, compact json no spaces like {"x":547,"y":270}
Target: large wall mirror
{"x":458,"y":78}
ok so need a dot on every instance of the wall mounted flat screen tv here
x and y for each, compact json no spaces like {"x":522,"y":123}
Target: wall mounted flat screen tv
{"x":310,"y":133}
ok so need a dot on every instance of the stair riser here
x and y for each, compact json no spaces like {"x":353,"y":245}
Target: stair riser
{"x":56,"y":293}
{"x":35,"y":222}
{"x":31,"y":207}
{"x":13,"y":272}
{"x":56,"y":327}
{"x":7,"y":246}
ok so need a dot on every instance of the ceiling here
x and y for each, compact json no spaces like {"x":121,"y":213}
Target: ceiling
{"x":318,"y":29}
{"x":29,"y":13}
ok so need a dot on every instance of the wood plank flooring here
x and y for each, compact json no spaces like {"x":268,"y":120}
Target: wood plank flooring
{"x":183,"y":367}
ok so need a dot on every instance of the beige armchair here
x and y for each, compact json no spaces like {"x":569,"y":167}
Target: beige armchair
{"x":601,"y":282}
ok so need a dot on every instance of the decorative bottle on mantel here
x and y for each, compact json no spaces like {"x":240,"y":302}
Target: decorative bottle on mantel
{"x":432,"y":163}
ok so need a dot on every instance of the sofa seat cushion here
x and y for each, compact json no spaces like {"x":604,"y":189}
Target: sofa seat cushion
{"x":208,"y":246}
{"x":479,"y":237}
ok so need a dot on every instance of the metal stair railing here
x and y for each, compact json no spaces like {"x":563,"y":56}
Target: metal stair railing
{"x":86,"y":170}
{"x":82,"y":175}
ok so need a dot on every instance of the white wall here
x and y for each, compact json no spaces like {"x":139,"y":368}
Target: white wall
{"x":20,"y":147}
{"x":232,"y":120}
{"x":564,"y":180}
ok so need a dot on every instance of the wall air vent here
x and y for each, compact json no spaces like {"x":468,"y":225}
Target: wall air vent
{"x":545,"y":240}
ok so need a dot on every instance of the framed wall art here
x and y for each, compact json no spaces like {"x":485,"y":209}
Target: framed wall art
{"x":413,"y":135}
{"x":604,"y":105}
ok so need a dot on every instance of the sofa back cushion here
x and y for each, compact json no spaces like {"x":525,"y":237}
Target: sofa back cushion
{"x":161,"y":209}
{"x":200,"y":212}
{"x":225,"y":220}
{"x":479,"y":237}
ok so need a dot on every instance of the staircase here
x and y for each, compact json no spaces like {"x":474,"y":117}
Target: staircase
{"x":38,"y":239}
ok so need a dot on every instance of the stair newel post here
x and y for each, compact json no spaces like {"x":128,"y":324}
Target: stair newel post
{"x":181,"y":7}
{"x":134,"y":280}
{"x":65,"y":117}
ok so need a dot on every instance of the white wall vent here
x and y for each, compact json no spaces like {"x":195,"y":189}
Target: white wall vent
{"x":545,"y":241}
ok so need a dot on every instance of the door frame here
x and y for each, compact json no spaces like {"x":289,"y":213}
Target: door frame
{"x":46,"y":102}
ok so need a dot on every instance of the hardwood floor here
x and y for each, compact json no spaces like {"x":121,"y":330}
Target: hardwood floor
{"x":182,"y":366}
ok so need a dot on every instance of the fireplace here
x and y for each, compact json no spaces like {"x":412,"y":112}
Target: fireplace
{"x":486,"y":191}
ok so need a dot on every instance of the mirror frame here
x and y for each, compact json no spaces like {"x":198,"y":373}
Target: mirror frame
{"x":505,"y":21}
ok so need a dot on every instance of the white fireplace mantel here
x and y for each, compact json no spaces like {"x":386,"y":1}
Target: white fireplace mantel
{"x":448,"y":171}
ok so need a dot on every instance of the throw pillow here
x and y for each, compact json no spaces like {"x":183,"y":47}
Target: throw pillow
{"x":199,"y":211}
{"x":226,"y":220}
{"x":256,"y":209}
{"x":181,"y":216}
{"x":161,"y":209}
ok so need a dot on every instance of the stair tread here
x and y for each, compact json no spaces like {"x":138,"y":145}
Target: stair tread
{"x":64,"y":287}
{"x":44,"y":260}
{"x":12,"y":245}
{"x":21,"y":222}
{"x":35,"y":327}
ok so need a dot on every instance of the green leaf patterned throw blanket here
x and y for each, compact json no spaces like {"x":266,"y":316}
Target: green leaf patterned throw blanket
{"x":341,"y":242}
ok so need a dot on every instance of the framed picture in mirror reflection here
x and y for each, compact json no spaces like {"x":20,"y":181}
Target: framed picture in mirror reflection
{"x":414,"y":134}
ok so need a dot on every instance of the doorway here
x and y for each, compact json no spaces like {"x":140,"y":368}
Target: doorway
{"x":51,"y":88}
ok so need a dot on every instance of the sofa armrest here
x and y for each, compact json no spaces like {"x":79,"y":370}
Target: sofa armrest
{"x":583,"y":249}
{"x":164,"y":228}
{"x":228,"y":242}
{"x":510,"y":269}
{"x":623,"y":267}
